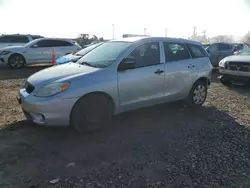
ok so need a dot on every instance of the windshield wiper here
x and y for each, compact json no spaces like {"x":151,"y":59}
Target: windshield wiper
{"x":78,"y":54}
{"x":86,"y":63}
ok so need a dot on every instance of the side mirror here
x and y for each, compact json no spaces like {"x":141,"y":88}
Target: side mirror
{"x":35,"y":46}
{"x":126,"y":64}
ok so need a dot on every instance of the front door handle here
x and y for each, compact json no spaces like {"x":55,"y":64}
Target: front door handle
{"x":191,"y":66}
{"x":159,"y":71}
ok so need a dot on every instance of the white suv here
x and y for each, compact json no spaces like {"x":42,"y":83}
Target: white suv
{"x":16,"y":39}
{"x":37,"y":51}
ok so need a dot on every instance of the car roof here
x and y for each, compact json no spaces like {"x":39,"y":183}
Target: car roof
{"x":69,"y":40}
{"x":136,"y":39}
{"x":20,"y":35}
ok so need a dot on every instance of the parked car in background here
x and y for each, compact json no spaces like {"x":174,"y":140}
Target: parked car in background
{"x":117,"y":76}
{"x":238,"y":47}
{"x":236,"y":68}
{"x":218,"y":51}
{"x":73,"y":57}
{"x":16,"y":39}
{"x":37,"y":51}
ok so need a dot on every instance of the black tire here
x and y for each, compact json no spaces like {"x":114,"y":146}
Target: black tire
{"x":91,"y":113}
{"x":16,"y":61}
{"x":197,"y":95}
{"x":225,"y":82}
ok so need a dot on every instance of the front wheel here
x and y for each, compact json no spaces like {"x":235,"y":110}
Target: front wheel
{"x":197,"y":94}
{"x":91,"y":113}
{"x":16,"y":61}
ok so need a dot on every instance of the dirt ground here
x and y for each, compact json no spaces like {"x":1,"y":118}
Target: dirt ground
{"x":162,"y":146}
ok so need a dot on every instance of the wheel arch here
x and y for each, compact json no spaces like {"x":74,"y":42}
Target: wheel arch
{"x":204,"y":79}
{"x":106,"y":95}
{"x":16,"y":54}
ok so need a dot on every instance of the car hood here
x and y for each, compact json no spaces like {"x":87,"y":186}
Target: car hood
{"x":238,"y":58}
{"x":59,"y":72}
{"x":12,"y":48}
{"x":67,"y":58}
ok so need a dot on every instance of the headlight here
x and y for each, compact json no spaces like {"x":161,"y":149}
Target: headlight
{"x":52,"y":89}
{"x":4,"y":53}
{"x":222,"y":63}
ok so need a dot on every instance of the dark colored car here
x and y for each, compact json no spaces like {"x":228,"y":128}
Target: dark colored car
{"x":75,"y":56}
{"x":218,"y":51}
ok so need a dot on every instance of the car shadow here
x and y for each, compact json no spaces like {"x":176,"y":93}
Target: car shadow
{"x":7,"y":73}
{"x":214,"y":76}
{"x":180,"y":146}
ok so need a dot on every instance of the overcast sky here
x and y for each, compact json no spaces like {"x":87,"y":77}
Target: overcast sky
{"x":68,"y":18}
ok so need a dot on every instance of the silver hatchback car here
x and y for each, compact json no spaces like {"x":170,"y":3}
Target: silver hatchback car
{"x":117,"y":76}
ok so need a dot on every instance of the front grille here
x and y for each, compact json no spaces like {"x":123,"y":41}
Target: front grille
{"x":238,"y":66}
{"x":29,"y":87}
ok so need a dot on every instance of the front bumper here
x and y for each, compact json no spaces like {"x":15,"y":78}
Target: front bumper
{"x":231,"y":75}
{"x":51,"y":111}
{"x":2,"y":60}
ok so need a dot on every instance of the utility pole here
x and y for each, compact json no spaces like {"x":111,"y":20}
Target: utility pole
{"x":205,"y":35}
{"x":113,"y":30}
{"x":194,"y":31}
{"x":145,"y":31}
{"x":166,"y":32}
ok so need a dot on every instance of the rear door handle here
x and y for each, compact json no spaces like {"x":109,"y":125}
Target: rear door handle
{"x":191,"y":66}
{"x":159,"y":71}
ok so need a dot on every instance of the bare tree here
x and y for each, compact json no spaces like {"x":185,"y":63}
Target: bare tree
{"x":222,"y":38}
{"x":85,"y":39}
{"x":246,"y":38}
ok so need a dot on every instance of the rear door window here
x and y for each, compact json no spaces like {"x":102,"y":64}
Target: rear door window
{"x":46,"y":43}
{"x":18,"y":39}
{"x":49,"y":43}
{"x":4,"y":39}
{"x":224,"y":47}
{"x":175,"y":52}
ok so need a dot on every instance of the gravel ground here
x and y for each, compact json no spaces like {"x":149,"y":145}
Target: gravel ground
{"x":161,"y":146}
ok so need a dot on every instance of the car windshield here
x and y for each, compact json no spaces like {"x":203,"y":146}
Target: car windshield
{"x":87,"y":49}
{"x":105,"y":54}
{"x":31,"y":43}
{"x":245,"y":50}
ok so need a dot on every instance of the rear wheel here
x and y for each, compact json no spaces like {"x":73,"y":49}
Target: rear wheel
{"x":197,"y":94}
{"x":91,"y":113}
{"x":16,"y":61}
